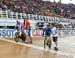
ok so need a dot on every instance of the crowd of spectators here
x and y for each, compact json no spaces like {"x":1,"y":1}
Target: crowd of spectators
{"x":38,"y":7}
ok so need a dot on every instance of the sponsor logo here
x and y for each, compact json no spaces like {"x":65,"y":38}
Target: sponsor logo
{"x":7,"y":33}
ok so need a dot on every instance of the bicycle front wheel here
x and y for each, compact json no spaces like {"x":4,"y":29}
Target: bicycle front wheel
{"x":17,"y":36}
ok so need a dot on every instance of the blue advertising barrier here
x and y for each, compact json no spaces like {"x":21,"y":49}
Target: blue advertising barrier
{"x":7,"y":33}
{"x":10,"y":33}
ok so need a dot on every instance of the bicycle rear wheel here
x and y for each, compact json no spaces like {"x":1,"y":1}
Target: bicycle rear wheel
{"x":23,"y":37}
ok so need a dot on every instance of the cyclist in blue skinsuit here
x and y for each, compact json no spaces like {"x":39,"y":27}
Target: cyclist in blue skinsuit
{"x":20,"y":28}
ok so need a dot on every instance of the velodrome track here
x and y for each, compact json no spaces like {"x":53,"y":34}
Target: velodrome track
{"x":10,"y":49}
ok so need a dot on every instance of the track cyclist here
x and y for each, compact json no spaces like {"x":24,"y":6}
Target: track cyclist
{"x":47,"y":34}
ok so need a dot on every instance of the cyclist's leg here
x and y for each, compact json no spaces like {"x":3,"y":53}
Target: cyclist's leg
{"x":15,"y":36}
{"x":45,"y":41}
{"x":30,"y":39}
{"x":30,"y":36}
{"x":55,"y":39}
{"x":20,"y":32}
{"x":49,"y":42}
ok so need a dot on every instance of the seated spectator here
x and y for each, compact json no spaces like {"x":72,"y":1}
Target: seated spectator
{"x":38,"y":7}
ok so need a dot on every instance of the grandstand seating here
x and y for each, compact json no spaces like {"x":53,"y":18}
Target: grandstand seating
{"x":38,"y":7}
{"x":40,"y":18}
{"x":15,"y":15}
{"x":36,"y":10}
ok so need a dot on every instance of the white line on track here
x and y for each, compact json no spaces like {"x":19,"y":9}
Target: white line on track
{"x":40,"y":48}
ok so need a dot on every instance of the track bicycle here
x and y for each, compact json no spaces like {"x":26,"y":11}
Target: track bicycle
{"x":18,"y":36}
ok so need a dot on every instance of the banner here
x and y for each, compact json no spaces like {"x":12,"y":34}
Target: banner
{"x":36,"y":33}
{"x":7,"y":32}
{"x":10,"y":33}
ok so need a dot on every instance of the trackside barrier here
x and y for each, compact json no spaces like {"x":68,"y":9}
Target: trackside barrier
{"x":9,"y":33}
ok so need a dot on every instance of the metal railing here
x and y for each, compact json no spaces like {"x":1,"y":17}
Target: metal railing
{"x":14,"y":15}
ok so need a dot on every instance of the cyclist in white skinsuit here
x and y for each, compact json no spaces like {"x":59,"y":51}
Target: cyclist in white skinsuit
{"x":55,"y":36}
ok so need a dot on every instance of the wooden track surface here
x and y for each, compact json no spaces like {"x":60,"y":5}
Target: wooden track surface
{"x":14,"y":50}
